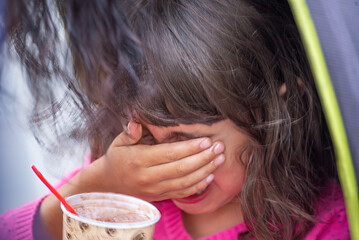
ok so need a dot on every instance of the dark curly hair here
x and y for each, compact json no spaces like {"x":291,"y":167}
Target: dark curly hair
{"x":187,"y":62}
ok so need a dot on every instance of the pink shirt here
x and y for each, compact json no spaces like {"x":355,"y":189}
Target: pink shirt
{"x":332,"y":223}
{"x":330,"y":212}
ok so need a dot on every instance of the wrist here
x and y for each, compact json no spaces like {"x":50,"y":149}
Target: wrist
{"x":93,"y":178}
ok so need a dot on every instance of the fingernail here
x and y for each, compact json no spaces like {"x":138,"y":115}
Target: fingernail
{"x":206,"y":143}
{"x":128,"y":128}
{"x":218,"y":148}
{"x":131,"y":127}
{"x":219,"y":160}
{"x":209,"y":178}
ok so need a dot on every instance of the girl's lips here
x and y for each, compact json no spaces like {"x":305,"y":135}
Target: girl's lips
{"x":195,"y":198}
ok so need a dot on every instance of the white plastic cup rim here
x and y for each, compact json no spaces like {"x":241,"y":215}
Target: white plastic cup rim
{"x":114,"y":225}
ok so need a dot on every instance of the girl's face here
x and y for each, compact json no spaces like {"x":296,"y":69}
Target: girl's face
{"x":228,"y":177}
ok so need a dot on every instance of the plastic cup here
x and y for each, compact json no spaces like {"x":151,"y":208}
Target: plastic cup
{"x":109,"y":216}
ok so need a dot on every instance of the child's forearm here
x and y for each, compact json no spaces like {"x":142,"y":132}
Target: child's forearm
{"x":87,"y":180}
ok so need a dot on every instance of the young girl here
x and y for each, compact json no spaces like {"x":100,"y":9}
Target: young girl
{"x":208,"y":110}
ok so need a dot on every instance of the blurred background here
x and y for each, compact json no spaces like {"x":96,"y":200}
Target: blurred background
{"x":18,"y":146}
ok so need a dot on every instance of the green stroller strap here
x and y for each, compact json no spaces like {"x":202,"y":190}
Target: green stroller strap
{"x":331,"y":111}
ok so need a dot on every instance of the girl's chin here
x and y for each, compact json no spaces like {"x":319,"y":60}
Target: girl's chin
{"x":192,"y":210}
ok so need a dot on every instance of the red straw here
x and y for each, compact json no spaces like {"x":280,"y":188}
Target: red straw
{"x":53,"y":190}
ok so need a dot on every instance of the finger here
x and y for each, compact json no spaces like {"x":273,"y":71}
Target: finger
{"x":169,"y":152}
{"x":193,"y":189}
{"x":130,"y":136}
{"x":190,"y":180}
{"x":191,"y":163}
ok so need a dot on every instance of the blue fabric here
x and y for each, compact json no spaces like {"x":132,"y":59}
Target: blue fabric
{"x":2,"y":37}
{"x":337,"y":25}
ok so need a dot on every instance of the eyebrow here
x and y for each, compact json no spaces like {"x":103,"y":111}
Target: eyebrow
{"x":191,"y":136}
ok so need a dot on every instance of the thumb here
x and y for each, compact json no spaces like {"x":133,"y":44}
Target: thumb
{"x":130,"y":136}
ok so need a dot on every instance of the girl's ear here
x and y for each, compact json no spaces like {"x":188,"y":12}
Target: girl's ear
{"x":283,"y":89}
